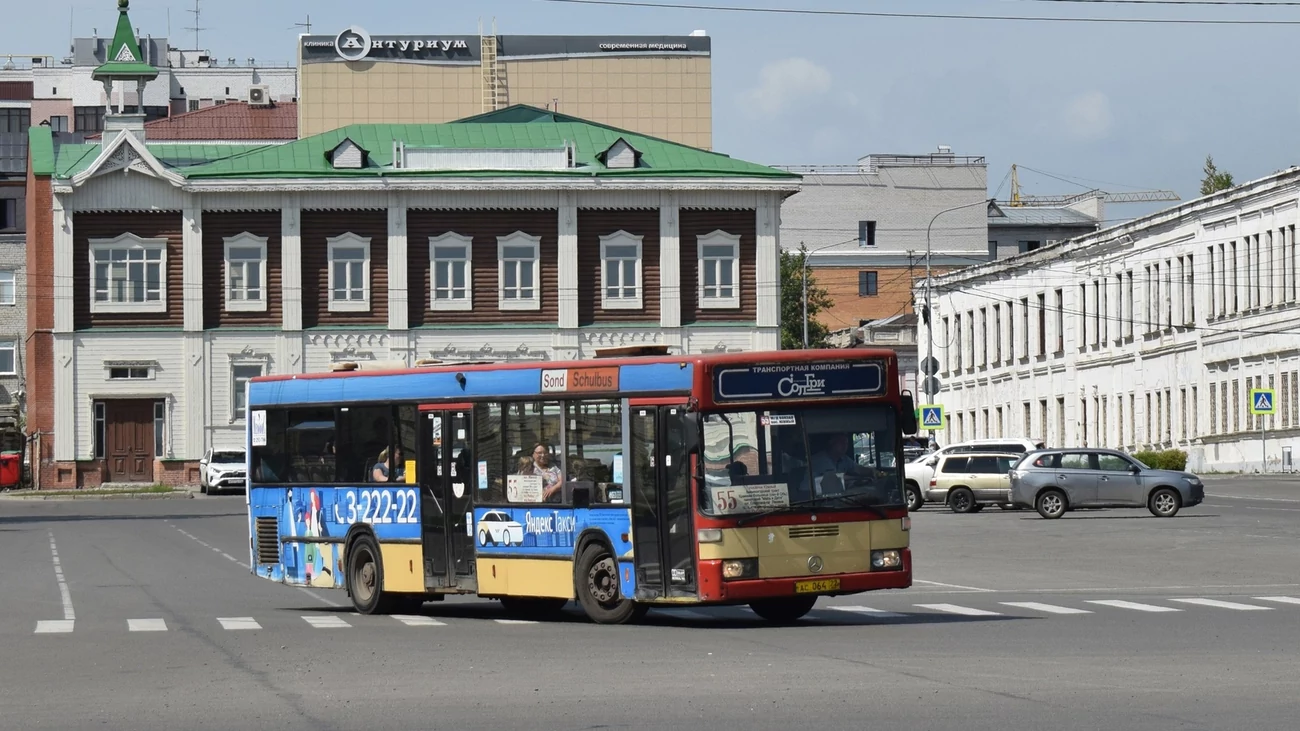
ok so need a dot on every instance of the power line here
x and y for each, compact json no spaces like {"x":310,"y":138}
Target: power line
{"x":926,"y":16}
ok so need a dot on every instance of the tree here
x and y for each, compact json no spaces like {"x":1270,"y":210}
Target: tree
{"x":792,"y":311}
{"x":1214,"y":181}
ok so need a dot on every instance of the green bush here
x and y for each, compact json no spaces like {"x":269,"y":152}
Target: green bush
{"x":1169,"y":459}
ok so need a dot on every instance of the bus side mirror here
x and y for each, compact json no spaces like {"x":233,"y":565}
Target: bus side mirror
{"x":691,"y":431}
{"x":908,"y":421}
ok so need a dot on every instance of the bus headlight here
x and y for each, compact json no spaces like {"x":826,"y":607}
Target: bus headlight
{"x":743,"y":568}
{"x":890,"y":559}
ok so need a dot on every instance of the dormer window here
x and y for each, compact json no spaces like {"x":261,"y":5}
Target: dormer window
{"x":621,"y":156}
{"x":348,"y":155}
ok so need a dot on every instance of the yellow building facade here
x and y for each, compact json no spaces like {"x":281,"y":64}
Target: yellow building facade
{"x":656,"y":85}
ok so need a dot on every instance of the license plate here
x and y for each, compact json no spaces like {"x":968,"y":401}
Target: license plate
{"x":813,"y":587}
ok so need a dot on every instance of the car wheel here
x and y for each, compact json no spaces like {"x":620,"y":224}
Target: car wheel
{"x":1164,"y":503}
{"x":914,"y":499}
{"x":1051,"y":504}
{"x":961,"y":500}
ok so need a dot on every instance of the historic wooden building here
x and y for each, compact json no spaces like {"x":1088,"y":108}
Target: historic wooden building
{"x":164,"y":275}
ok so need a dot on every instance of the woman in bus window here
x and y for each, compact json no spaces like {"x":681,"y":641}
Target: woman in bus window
{"x":386,"y":470}
{"x":552,"y":476}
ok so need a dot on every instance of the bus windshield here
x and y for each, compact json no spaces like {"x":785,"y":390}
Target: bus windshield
{"x":812,"y":459}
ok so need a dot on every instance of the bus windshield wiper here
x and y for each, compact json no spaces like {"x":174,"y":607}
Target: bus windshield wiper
{"x":810,"y":501}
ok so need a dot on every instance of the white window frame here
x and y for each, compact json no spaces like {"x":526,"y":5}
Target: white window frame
{"x":451,"y":238}
{"x":246,"y":240}
{"x":236,"y":390}
{"x":519,"y":238}
{"x":621,"y":238}
{"x":349,"y":241}
{"x":129,"y":242}
{"x":10,"y":277}
{"x":718,"y":238}
{"x":10,"y":345}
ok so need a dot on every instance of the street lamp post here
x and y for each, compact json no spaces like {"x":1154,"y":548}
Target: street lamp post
{"x":803,"y":282}
{"x":929,"y":383}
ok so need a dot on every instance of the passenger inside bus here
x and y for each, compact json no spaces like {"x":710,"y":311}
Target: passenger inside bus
{"x":834,"y":462}
{"x":551,"y":474}
{"x":389,"y":469}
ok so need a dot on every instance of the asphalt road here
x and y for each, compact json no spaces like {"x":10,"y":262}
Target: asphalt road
{"x":149,"y":619}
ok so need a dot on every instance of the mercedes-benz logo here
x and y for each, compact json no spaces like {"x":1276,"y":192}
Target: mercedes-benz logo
{"x":353,"y":44}
{"x":815,"y":564}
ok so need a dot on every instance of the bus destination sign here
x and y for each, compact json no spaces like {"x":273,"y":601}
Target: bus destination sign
{"x":799,"y":381}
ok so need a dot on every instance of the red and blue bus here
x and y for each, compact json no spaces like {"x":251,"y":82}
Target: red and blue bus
{"x":765,"y":479}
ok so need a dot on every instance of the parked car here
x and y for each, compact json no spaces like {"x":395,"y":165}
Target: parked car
{"x":968,"y":482}
{"x":917,"y":474}
{"x":1054,"y":481}
{"x":222,"y":469}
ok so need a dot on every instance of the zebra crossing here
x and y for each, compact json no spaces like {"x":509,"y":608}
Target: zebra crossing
{"x":824,"y":612}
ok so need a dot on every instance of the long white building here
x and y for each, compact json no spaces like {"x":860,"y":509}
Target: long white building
{"x":1151,"y":334}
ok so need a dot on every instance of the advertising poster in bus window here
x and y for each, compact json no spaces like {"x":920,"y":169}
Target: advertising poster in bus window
{"x":257,"y":427}
{"x":734,"y":499}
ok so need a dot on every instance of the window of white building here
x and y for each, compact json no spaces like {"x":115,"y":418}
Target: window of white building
{"x":719,"y":265}
{"x":451,"y":258}
{"x":246,"y":273}
{"x":240,"y":375}
{"x":8,"y":357}
{"x":620,"y":264}
{"x":128,"y":274}
{"x":518,"y":271}
{"x":349,"y":273}
{"x":8,"y":287}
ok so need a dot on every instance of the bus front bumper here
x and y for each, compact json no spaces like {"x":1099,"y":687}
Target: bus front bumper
{"x":714,"y":588}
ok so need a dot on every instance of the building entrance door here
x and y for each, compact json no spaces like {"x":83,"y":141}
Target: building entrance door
{"x":129,"y":432}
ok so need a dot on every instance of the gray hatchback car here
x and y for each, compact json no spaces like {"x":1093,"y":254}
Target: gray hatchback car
{"x":1053,"y":481}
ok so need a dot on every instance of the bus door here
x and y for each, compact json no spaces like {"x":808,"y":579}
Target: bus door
{"x":662,"y":529}
{"x":445,"y":509}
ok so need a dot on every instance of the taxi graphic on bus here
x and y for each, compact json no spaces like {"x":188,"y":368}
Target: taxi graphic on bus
{"x":768,"y":479}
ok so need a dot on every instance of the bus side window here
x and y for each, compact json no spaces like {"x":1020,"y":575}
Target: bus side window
{"x":488,"y":452}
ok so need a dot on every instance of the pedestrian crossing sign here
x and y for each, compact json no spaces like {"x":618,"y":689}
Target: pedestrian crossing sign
{"x":1262,"y":402}
{"x":932,"y":416}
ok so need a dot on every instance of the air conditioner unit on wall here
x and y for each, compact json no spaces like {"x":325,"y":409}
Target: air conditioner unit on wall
{"x":259,"y":96}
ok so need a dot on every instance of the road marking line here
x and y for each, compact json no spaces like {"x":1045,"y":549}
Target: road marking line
{"x":233,"y":623}
{"x":958,"y":609}
{"x":68,"y":614}
{"x":146,"y":625}
{"x":1247,"y":497}
{"x":1049,"y":608}
{"x":1279,"y":599}
{"x":318,"y":597}
{"x":325,"y":622}
{"x":416,"y":620}
{"x":232,"y":558}
{"x":953,"y":586}
{"x":869,"y":611}
{"x":1121,"y":604}
{"x":515,"y":621}
{"x":53,"y":626}
{"x":1223,"y":605}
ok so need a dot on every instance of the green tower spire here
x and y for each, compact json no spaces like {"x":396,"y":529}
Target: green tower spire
{"x":124,"y":61}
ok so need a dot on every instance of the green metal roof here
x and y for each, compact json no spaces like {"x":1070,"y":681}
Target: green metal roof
{"x":529,"y":128}
{"x":124,"y":60}
{"x":308,"y":157}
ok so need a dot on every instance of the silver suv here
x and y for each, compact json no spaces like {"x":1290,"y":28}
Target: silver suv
{"x":1053,"y":481}
{"x":919,"y":472}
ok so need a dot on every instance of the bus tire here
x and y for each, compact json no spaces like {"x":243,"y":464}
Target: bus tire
{"x":532,"y":607}
{"x":365,"y":577}
{"x":784,"y":610}
{"x":597,"y":585}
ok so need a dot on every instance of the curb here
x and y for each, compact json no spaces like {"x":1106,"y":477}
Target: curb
{"x":92,"y":496}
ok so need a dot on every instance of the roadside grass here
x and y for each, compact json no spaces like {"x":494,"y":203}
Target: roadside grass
{"x":155,"y":489}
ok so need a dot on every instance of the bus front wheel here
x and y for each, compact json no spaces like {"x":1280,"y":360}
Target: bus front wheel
{"x":365,"y":576}
{"x":598,"y":588}
{"x":785,"y":610}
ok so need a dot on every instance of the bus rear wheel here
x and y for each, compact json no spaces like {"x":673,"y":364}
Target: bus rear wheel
{"x":365,"y":576}
{"x":596,"y":577}
{"x":784,"y":610}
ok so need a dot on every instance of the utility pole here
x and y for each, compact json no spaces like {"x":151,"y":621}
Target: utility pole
{"x":931,"y":383}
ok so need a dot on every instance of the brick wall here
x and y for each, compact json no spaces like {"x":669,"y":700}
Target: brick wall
{"x":893,"y":293}
{"x":39,"y":353}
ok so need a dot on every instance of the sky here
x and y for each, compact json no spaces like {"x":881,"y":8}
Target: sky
{"x":1117,"y":106}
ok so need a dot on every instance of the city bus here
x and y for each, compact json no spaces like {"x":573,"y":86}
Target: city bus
{"x":624,"y":482}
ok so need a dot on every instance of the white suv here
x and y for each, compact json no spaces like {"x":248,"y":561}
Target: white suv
{"x":918,"y":472}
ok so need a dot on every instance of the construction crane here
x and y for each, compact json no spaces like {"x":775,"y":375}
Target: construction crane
{"x":1137,"y":196}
